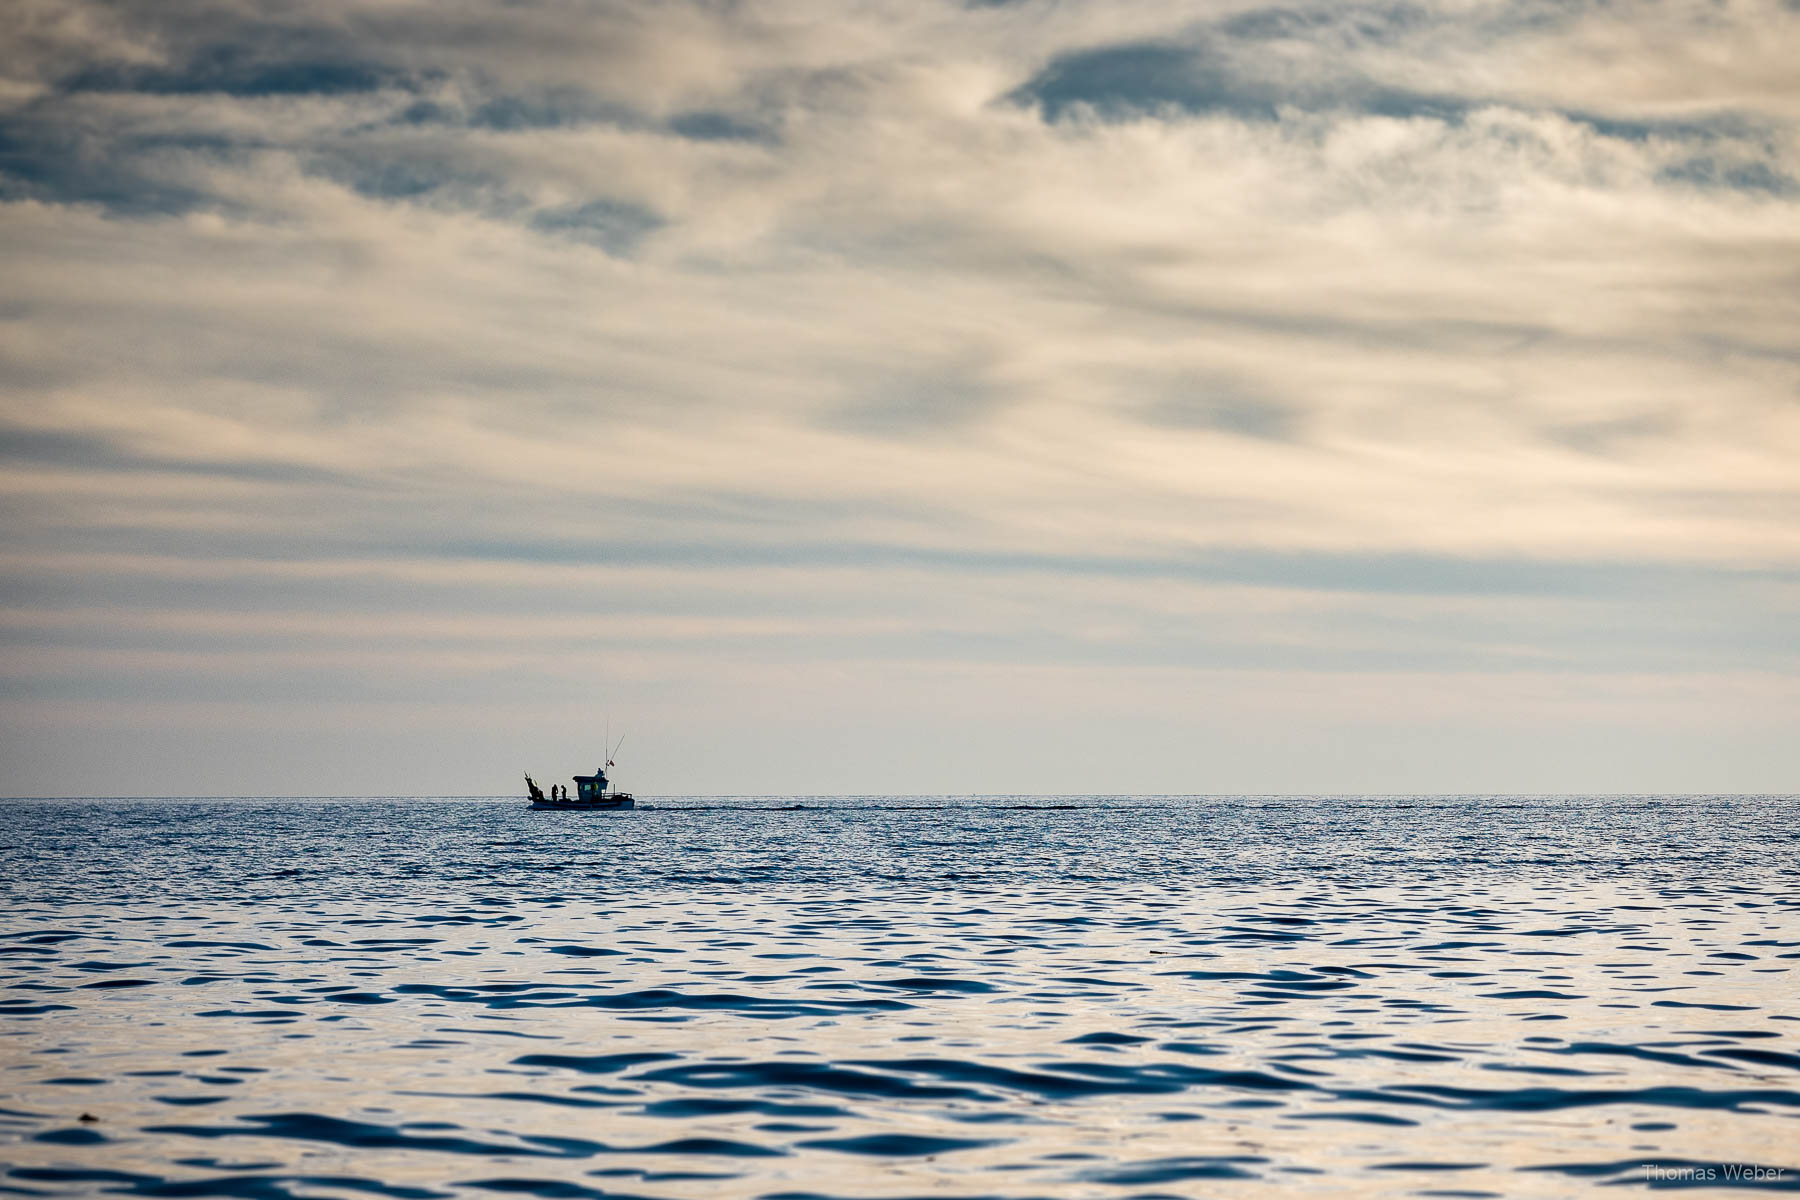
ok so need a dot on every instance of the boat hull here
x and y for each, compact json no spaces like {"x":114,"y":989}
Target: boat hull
{"x":610,"y":804}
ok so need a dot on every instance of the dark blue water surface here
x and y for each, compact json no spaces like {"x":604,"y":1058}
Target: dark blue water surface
{"x":845,"y":997}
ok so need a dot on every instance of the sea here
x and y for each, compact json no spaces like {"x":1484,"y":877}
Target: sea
{"x":810,"y":997}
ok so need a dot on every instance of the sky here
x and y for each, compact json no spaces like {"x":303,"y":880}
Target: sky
{"x":910,"y":397}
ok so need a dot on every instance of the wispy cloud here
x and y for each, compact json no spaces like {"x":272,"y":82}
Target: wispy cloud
{"x":1372,"y":339}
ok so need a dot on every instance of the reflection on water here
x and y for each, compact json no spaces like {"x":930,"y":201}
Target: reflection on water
{"x":842,"y":997}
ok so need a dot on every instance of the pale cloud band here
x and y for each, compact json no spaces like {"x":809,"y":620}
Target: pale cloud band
{"x":674,"y":351}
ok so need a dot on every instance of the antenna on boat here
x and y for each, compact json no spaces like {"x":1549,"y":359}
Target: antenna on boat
{"x":614,"y":750}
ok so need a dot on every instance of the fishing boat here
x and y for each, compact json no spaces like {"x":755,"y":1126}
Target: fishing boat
{"x":592,"y":792}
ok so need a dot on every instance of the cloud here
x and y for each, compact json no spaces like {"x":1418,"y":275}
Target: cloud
{"x":1043,"y":336}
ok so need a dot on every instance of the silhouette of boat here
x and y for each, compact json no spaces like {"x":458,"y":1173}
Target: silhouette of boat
{"x":592,"y":792}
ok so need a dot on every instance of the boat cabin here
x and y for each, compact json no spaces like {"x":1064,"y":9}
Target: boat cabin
{"x":591,"y":787}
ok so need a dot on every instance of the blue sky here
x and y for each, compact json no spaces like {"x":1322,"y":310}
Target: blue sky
{"x":1024,"y":397}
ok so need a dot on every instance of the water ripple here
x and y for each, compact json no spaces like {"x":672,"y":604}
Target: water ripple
{"x":857,"y":997}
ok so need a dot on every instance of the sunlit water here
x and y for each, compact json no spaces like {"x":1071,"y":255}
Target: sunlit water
{"x":877,"y":998}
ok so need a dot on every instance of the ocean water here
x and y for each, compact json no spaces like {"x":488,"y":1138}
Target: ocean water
{"x":844,"y":997}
